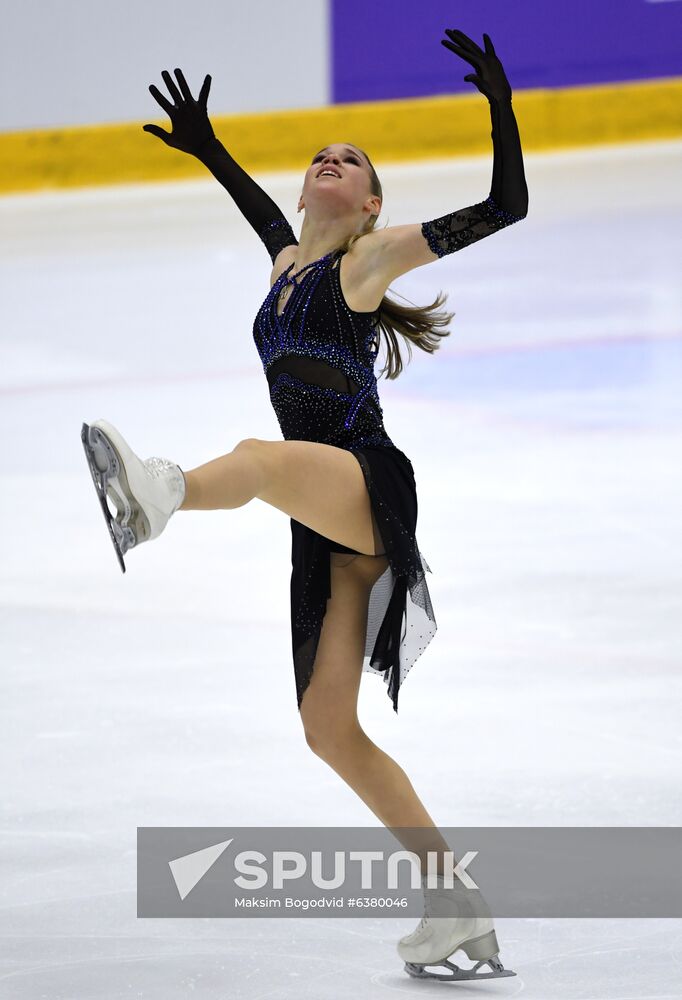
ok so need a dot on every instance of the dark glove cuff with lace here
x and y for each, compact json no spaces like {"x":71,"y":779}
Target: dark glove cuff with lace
{"x":458,"y":229}
{"x":276,"y":235}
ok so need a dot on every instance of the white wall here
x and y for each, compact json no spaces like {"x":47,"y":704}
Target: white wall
{"x":75,"y":62}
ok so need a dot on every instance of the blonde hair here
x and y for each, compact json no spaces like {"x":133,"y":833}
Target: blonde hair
{"x":419,"y":325}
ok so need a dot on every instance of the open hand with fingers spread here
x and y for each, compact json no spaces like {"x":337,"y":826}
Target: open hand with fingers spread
{"x":490,"y":77}
{"x":191,"y":124}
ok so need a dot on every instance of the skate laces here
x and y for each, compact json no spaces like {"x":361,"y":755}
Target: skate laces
{"x":157,"y":468}
{"x":418,"y":932}
{"x":425,"y":920}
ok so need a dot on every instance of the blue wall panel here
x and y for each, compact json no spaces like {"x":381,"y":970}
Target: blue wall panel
{"x":385,"y":49}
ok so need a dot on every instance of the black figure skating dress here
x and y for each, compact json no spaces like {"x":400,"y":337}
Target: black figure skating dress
{"x":318,"y":357}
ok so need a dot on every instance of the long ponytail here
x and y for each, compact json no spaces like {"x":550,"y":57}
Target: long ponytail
{"x":418,"y":325}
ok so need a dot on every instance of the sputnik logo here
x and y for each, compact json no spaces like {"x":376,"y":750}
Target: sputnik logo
{"x":191,"y":868}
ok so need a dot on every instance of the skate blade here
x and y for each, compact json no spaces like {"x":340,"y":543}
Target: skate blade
{"x":104,"y":466}
{"x":498,"y":971}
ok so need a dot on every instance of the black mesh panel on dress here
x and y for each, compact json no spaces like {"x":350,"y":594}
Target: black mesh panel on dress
{"x":314,"y":372}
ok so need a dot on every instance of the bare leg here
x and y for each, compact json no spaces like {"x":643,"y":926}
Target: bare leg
{"x":224,"y":483}
{"x":383,"y":786}
{"x":329,"y":714}
{"x":316,"y":484}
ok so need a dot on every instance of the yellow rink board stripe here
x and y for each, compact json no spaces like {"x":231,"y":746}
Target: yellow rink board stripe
{"x":390,"y":131}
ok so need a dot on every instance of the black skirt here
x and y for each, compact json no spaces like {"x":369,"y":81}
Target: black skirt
{"x":400,"y":619}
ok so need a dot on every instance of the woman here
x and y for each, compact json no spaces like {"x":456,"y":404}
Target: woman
{"x":359,"y":598}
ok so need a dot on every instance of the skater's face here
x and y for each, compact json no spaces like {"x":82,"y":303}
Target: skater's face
{"x":347,"y":193}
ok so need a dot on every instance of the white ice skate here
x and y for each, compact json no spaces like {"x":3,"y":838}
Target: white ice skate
{"x":454,"y":919}
{"x":145,"y":494}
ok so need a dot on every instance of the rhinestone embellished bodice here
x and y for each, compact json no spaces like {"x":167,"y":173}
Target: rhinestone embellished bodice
{"x":318,"y":356}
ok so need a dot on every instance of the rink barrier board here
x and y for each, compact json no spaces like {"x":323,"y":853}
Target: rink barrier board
{"x":389,"y":131}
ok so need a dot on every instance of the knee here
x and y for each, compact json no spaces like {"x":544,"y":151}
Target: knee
{"x":334,"y":740}
{"x":254,"y":454}
{"x":251,"y":444}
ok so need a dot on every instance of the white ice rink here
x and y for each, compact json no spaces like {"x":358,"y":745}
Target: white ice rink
{"x":546,"y":437}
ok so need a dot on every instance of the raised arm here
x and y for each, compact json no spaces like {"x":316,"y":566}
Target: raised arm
{"x":508,"y":199}
{"x":395,"y":250}
{"x":193,"y":133}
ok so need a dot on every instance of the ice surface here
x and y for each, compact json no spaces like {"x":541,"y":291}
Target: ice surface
{"x":546,"y":437}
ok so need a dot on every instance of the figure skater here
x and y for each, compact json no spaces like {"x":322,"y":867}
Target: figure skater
{"x":359,"y":597}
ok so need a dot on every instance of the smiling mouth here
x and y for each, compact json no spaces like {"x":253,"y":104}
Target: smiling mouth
{"x":324,"y":173}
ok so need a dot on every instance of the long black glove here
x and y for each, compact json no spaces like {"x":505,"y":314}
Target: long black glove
{"x":508,"y":186}
{"x":193,"y":133}
{"x":508,"y":199}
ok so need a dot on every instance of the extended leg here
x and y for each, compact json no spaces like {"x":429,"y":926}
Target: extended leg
{"x":226,"y":482}
{"x":318,"y":485}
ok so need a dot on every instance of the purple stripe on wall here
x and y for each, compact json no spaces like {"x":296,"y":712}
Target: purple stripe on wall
{"x":385,"y":49}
